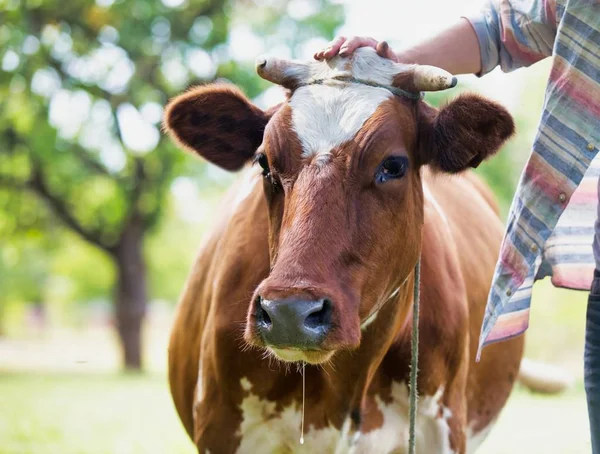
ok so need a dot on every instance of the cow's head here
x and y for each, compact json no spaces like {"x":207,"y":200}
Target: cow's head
{"x":340,"y":162}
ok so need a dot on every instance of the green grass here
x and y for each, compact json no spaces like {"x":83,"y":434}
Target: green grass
{"x":113,"y":414}
{"x":88,"y":414}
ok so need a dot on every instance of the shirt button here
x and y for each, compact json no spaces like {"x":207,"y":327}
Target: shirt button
{"x":509,"y":292}
{"x":534,"y":248}
{"x":590,"y":146}
{"x":562,"y":197}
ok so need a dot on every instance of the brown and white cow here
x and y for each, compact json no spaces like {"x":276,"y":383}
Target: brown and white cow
{"x":313,"y":256}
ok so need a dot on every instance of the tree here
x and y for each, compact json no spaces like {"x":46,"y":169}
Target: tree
{"x":83,"y":84}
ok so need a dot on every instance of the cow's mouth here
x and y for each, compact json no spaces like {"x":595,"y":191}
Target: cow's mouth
{"x":297,"y":326}
{"x":296,"y":355}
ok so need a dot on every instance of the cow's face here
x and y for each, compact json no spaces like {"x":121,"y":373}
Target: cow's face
{"x":340,"y":164}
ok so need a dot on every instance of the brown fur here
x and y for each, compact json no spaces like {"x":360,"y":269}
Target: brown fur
{"x":328,"y":230}
{"x":463,"y":133}
{"x":217,"y":122}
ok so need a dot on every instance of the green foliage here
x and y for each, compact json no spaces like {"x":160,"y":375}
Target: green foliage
{"x":82,"y":85}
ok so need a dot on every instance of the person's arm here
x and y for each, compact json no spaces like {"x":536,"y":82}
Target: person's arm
{"x":501,"y":34}
{"x":455,"y":49}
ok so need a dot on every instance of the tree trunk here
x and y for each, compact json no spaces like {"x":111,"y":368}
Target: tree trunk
{"x":131,"y":297}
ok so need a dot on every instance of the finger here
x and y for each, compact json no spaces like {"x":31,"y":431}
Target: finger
{"x":350,"y":45}
{"x":334,"y":47}
{"x":354,"y":43}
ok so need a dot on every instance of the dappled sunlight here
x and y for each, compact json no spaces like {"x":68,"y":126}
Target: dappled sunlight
{"x":101,"y":215}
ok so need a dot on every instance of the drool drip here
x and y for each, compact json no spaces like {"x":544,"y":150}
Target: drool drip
{"x":303,"y":400}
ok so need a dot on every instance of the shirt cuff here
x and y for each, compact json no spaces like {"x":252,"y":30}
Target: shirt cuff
{"x":484,"y":24}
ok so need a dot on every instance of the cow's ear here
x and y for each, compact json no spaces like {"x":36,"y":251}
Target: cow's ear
{"x":463,"y":133}
{"x":218,"y":122}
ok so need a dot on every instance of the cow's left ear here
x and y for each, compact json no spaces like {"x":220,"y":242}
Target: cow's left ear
{"x":217,"y":122}
{"x":463,"y":133}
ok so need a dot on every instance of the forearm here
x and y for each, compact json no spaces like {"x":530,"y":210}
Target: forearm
{"x":455,"y":49}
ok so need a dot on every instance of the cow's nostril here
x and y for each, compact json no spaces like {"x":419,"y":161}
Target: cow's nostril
{"x":262,"y":315}
{"x":320,"y":317}
{"x":293,"y":322}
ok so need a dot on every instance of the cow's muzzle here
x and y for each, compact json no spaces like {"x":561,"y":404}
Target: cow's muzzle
{"x":308,"y":322}
{"x":293,"y":323}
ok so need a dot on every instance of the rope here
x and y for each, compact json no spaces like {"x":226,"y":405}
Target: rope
{"x":415,"y":96}
{"x":412,"y":95}
{"x":414,"y":364}
{"x":303,"y":401}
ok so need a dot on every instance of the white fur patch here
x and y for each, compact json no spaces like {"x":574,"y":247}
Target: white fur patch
{"x":264,"y":429}
{"x":432,"y":432}
{"x":474,"y":440}
{"x":326,"y":116}
{"x":245,"y":384}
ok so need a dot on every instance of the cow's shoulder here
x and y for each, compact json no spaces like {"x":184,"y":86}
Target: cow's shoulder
{"x":232,"y":259}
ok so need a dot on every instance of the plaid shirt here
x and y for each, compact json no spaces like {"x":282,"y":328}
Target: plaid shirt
{"x":551,"y":222}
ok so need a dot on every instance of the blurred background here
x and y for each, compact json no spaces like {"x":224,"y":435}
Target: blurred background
{"x":100,"y":215}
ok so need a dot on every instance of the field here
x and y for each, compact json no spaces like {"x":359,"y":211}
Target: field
{"x":61,"y":392}
{"x":70,"y":413}
{"x":91,"y":413}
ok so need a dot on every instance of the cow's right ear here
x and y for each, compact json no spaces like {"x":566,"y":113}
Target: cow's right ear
{"x":462,"y":133}
{"x":218,"y":122}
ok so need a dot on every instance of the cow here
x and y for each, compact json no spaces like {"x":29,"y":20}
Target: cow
{"x":309,"y":270}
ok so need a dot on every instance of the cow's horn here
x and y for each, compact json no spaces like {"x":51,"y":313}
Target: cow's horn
{"x":286,"y":73}
{"x":431,"y":78}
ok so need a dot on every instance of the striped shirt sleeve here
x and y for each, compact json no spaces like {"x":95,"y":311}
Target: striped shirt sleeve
{"x":514,"y":33}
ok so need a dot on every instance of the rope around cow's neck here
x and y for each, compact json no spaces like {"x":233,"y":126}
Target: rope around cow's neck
{"x":303,"y":401}
{"x":412,"y":95}
{"x":414,"y":363}
{"x":414,"y":369}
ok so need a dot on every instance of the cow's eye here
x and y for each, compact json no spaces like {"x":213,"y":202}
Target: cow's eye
{"x":263,"y":162}
{"x":391,"y":168}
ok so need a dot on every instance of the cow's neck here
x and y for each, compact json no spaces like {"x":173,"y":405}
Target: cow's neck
{"x":352,"y":375}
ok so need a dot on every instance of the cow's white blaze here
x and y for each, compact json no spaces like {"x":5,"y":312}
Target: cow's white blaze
{"x":264,"y":428}
{"x":328,"y":115}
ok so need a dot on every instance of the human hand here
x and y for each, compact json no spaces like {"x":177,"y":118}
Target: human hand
{"x":343,"y":47}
